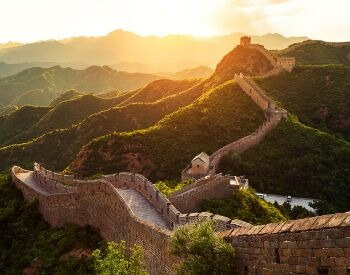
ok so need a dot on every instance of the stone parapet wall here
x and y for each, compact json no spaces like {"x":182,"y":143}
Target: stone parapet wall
{"x":317,"y":245}
{"x":149,"y":191}
{"x":97,"y":203}
{"x":189,"y":199}
{"x":265,"y":52}
{"x":245,"y":143}
{"x":274,"y":116}
{"x":53,"y":182}
{"x":254,"y":92}
{"x":222,"y":223}
{"x":279,"y":63}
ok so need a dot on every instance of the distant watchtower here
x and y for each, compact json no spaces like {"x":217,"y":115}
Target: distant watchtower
{"x":245,"y":41}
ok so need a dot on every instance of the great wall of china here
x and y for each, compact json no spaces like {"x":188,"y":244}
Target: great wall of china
{"x":126,"y":206}
{"x":123,"y":206}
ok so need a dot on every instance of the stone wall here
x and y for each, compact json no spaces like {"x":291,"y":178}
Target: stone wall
{"x":190,"y":198}
{"x":265,"y":52}
{"x":245,"y":143}
{"x":317,"y":245}
{"x":149,"y":191}
{"x":254,"y":92}
{"x":98,"y":204}
{"x":279,"y":63}
{"x":274,"y":116}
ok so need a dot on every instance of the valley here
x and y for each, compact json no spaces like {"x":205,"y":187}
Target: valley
{"x":105,"y":136}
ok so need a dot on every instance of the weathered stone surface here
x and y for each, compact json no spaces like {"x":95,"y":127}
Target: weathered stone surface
{"x":128,"y":207}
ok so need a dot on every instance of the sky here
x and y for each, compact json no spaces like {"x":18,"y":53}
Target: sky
{"x":33,"y":20}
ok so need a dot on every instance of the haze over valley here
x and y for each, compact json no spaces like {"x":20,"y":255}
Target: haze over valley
{"x":198,"y":137}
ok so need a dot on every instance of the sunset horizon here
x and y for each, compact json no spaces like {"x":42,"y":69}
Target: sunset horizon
{"x":39,"y":20}
{"x":172,"y":137}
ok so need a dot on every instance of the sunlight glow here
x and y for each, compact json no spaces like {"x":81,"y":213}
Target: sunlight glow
{"x":32,"y":20}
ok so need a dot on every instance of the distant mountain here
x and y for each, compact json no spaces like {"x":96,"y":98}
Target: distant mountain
{"x":197,"y":72}
{"x":71,"y":94}
{"x":137,"y":53}
{"x":39,"y":86}
{"x":10,"y":69}
{"x":9,"y":45}
{"x":314,"y":52}
{"x":139,"y":110}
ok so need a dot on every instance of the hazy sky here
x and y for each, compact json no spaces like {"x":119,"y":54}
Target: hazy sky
{"x":32,"y":20}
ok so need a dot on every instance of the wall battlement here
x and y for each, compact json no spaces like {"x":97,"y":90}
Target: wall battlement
{"x":274,"y":116}
{"x":279,"y":63}
{"x":317,"y":245}
{"x":307,"y":246}
{"x":106,"y":204}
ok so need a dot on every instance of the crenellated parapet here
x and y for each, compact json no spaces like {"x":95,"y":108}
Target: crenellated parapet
{"x":317,"y":245}
{"x":149,"y":191}
{"x":123,"y":206}
{"x":273,"y":116}
{"x":308,"y":246}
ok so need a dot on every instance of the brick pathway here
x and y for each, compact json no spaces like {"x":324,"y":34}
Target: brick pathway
{"x":27,"y":178}
{"x":141,"y":207}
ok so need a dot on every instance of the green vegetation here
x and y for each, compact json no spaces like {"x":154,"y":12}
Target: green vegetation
{"x":295,"y":212}
{"x":34,"y":97}
{"x":7,"y":110}
{"x":201,"y":250}
{"x":164,"y":149}
{"x":168,"y":187}
{"x":49,"y":82}
{"x":242,"y":60}
{"x":318,"y":95}
{"x":114,"y":261}
{"x":71,"y":94}
{"x":197,"y":72}
{"x":65,"y":114}
{"x":297,"y":160}
{"x":245,"y":205}
{"x":19,"y":121}
{"x":67,"y":142}
{"x":28,"y":244}
{"x":159,"y":89}
{"x":318,"y":54}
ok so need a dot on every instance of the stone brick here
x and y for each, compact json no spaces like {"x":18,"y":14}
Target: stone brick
{"x":320,"y":252}
{"x":344,"y":242}
{"x":335,"y":252}
{"x":342,"y":261}
{"x":346,"y":251}
{"x":327,"y":261}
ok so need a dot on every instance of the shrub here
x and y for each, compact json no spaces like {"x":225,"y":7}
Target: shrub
{"x":114,"y":261}
{"x":245,"y":205}
{"x":201,"y":250}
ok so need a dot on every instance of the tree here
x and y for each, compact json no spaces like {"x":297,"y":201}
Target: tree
{"x":113,"y":261}
{"x":201,"y":250}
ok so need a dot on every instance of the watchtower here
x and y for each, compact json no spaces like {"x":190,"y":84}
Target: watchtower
{"x":245,"y":41}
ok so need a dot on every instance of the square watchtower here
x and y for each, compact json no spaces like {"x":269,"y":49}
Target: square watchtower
{"x":245,"y":41}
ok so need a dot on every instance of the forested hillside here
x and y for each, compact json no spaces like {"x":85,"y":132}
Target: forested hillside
{"x":65,"y":114}
{"x":28,"y":245}
{"x":43,"y":85}
{"x":164,"y":149}
{"x":19,"y":121}
{"x":318,"y":53}
{"x":67,"y":142}
{"x":297,"y":160}
{"x":318,"y":95}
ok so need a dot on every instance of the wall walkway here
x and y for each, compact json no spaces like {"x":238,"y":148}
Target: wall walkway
{"x":123,"y":206}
